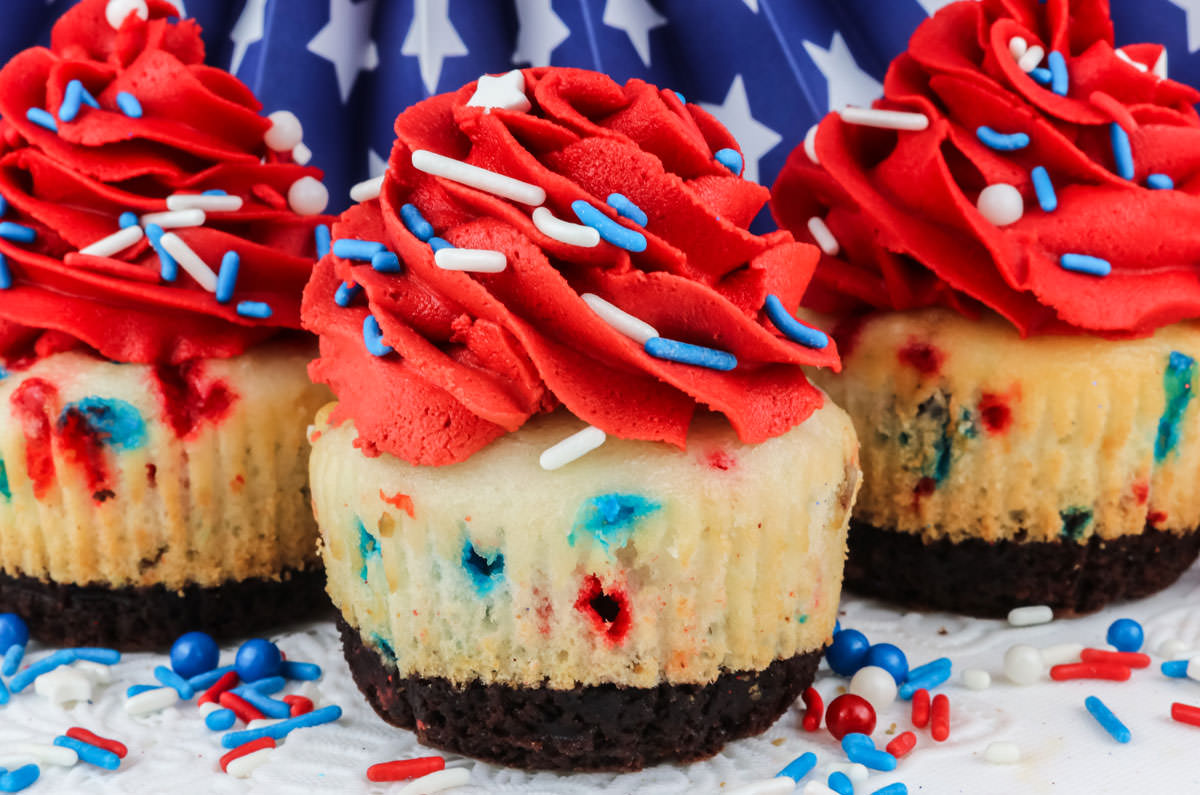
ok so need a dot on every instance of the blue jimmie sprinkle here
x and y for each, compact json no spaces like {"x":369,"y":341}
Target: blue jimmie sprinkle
{"x":6,"y":279}
{"x":12,"y":659}
{"x":892,"y":789}
{"x":17,"y":233}
{"x":100,"y":757}
{"x":682,"y":101}
{"x":840,"y":783}
{"x":42,"y":119}
{"x":609,"y":229}
{"x":88,"y":99}
{"x":129,"y":105}
{"x":321,"y":235}
{"x":346,"y":293}
{"x":280,"y":730}
{"x":854,"y":741}
{"x":1001,"y":142}
{"x":415,"y":222}
{"x":941,"y":663}
{"x":627,"y":209}
{"x":873,"y":758}
{"x":373,"y":337}
{"x":71,"y":101}
{"x":206,"y":680}
{"x":792,"y":328}
{"x":214,"y":192}
{"x":134,"y":690}
{"x":437,"y":244}
{"x":799,"y":767}
{"x":3,"y":693}
{"x":127,"y":219}
{"x":1047,"y":198}
{"x":1176,"y":669}
{"x":1041,"y":75}
{"x":1060,"y":81}
{"x":3,"y":205}
{"x":1160,"y":182}
{"x":256,"y":309}
{"x":227,"y":277}
{"x":1122,"y":150}
{"x":1104,"y":716}
{"x":730,"y":158}
{"x":1083,"y":263}
{"x":300,"y":671}
{"x":24,"y":678}
{"x":684,"y":353}
{"x":19,"y":779}
{"x":267,"y":705}
{"x":925,"y":682}
{"x":168,"y":268}
{"x":267,"y":685}
{"x":127,"y":438}
{"x":386,"y":262}
{"x":173,"y":680}
{"x":220,"y":720}
{"x":362,"y":250}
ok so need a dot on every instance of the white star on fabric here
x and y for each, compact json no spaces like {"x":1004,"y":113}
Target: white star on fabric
{"x":432,"y":39}
{"x":933,"y":6}
{"x":1191,"y":11}
{"x":755,"y":138}
{"x":539,"y":31}
{"x":247,"y":30}
{"x":376,"y":165}
{"x":179,"y":4}
{"x":345,"y":42}
{"x":752,"y":5}
{"x":502,"y":91}
{"x":637,"y":18}
{"x":847,"y":83}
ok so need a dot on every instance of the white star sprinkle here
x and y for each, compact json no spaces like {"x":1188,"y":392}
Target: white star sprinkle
{"x":502,"y":91}
{"x":432,"y":39}
{"x":539,"y":31}
{"x":847,"y":83}
{"x":345,"y":42}
{"x":755,"y":138}
{"x":637,"y":18}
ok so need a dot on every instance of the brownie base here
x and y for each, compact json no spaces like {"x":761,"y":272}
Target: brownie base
{"x":151,"y":617}
{"x":594,"y":727}
{"x":989,"y":579}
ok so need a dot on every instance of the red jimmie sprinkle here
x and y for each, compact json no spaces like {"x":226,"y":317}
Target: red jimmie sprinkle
{"x":920,"y":708}
{"x":228,"y":681}
{"x":85,"y":736}
{"x":403,"y":769}
{"x":299,"y":704}
{"x":939,"y":718}
{"x":1130,"y":659}
{"x":1090,"y":670}
{"x":246,"y":748}
{"x":814,"y":708}
{"x":901,"y":744}
{"x":242,"y":708}
{"x":1185,"y":713}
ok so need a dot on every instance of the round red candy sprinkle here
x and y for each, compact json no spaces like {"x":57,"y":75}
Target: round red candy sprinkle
{"x":849,"y":713}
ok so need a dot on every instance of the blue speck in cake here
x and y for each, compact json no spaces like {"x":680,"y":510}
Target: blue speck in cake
{"x":1177,"y":383}
{"x":1074,"y":522}
{"x":384,"y":646}
{"x":4,"y":489}
{"x":612,"y":518}
{"x":112,"y":421}
{"x":485,"y":570}
{"x":368,"y":547}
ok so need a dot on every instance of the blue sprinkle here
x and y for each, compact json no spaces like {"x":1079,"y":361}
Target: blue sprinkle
{"x":1002,"y":142}
{"x":486,"y":571}
{"x":926,"y":681}
{"x":3,"y":693}
{"x":173,"y":680}
{"x":1047,"y":198}
{"x":368,"y":547}
{"x":71,"y":101}
{"x":265,"y":704}
{"x":1082,"y":263}
{"x":730,"y":158}
{"x":437,"y":244}
{"x":134,"y":690}
{"x":100,"y":757}
{"x":856,"y":741}
{"x":627,"y":209}
{"x":1176,"y":669}
{"x":88,"y":99}
{"x":373,"y":337}
{"x":610,"y":230}
{"x":127,"y":220}
{"x":116,"y":424}
{"x":301,"y":671}
{"x":17,"y":233}
{"x":1122,"y":151}
{"x":6,"y":278}
{"x":386,"y":262}
{"x":1154,"y":181}
{"x":19,"y":779}
{"x":346,"y":293}
{"x":12,"y":659}
{"x":280,"y":730}
{"x":267,"y":685}
{"x":24,"y":678}
{"x":892,"y":789}
{"x":792,"y":328}
{"x":682,"y":101}
{"x":941,"y":663}
{"x":676,"y":351}
{"x":1104,"y":716}
{"x":127,"y":439}
{"x":42,"y":119}
{"x":840,"y":783}
{"x":129,"y":105}
{"x":415,"y":222}
{"x":214,"y":192}
{"x":874,"y":759}
{"x":168,"y":268}
{"x":206,"y":680}
{"x":227,"y":277}
{"x":1059,"y":79}
{"x":1041,"y":75}
{"x":321,"y":234}
{"x":362,"y":250}
{"x":256,"y":309}
{"x":220,"y":720}
{"x":799,"y":767}
{"x":3,"y":205}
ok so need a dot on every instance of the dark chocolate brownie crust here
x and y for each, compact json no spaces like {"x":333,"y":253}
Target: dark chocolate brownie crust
{"x":152,"y":617}
{"x":989,"y":579}
{"x":599,"y":727}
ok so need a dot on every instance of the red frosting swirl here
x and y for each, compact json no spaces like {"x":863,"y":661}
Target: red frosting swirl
{"x":903,"y":205}
{"x":200,"y":130}
{"x":476,"y":355}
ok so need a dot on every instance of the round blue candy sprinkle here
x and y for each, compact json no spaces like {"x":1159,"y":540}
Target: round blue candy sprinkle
{"x":1126,"y":634}
{"x":848,"y":652}
{"x":730,"y":158}
{"x":13,"y":631}
{"x":890,"y":658}
{"x":257,"y":659}
{"x":194,"y":653}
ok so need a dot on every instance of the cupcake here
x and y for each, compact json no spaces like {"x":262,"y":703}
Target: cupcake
{"x":154,"y":249}
{"x":579,"y":506}
{"x":1009,"y":248}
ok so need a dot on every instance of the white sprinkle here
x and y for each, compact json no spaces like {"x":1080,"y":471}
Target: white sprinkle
{"x":367,"y":189}
{"x":473,"y":260}
{"x":478,"y":178}
{"x":817,"y":788}
{"x":174,"y":219}
{"x":875,"y":685}
{"x":779,"y":785}
{"x":308,"y":196}
{"x":1032,"y":58}
{"x":1124,"y":56}
{"x":151,"y":700}
{"x":1001,"y":204}
{"x":574,"y":446}
{"x":505,"y":91}
{"x":855,"y":771}
{"x":189,"y":260}
{"x":209,"y":707}
{"x":976,"y":679}
{"x":1193,"y":669}
{"x":1175,"y":649}
{"x":1031,"y":615}
{"x":436,"y":782}
{"x":810,"y":144}
{"x":1017,"y":46}
{"x":887,"y":119}
{"x":301,"y":154}
{"x":1061,"y":654}
{"x":259,"y":723}
{"x":1023,"y":664}
{"x":117,"y":241}
{"x":243,"y":766}
{"x":572,"y":234}
{"x":636,"y":329}
{"x":42,"y":753}
{"x":824,"y":237}
{"x":1002,"y":753}
{"x":97,"y":673}
{"x":285,"y":131}
{"x":63,"y":685}
{"x":117,"y":10}
{"x":199,"y":201}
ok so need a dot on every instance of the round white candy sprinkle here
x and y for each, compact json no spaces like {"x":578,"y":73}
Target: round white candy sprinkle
{"x":308,"y":196}
{"x":1032,"y":58}
{"x":151,"y":701}
{"x":1061,"y":654}
{"x":301,"y":154}
{"x":1002,"y":753}
{"x":1017,"y":46}
{"x":810,"y":145}
{"x":367,"y":189}
{"x":436,"y":782}
{"x":1029,"y":616}
{"x":285,"y":132}
{"x":1023,"y":664}
{"x":887,"y":119}
{"x":574,"y":446}
{"x":1193,"y":669}
{"x":824,"y":237}
{"x":243,"y":766}
{"x":976,"y":679}
{"x":63,"y":686}
{"x":855,"y":771}
{"x":632,"y":327}
{"x":117,"y":10}
{"x":779,"y":785}
{"x":1174,"y":649}
{"x":875,"y":684}
{"x":1001,"y":204}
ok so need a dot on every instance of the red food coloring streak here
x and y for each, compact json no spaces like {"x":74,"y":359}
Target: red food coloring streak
{"x":228,"y":681}
{"x":85,"y":736}
{"x":922,"y":357}
{"x":1130,"y":659}
{"x":403,"y":502}
{"x":152,"y":475}
{"x":920,"y":708}
{"x":544,"y":611}
{"x":245,"y":749}
{"x":1111,"y":671}
{"x":245,"y":711}
{"x":719,"y":459}
{"x":237,"y":484}
{"x":299,"y":705}
{"x":84,"y":445}
{"x":34,"y":401}
{"x":1141,"y":491}
{"x":1185,"y":713}
{"x":901,"y":744}
{"x":1156,"y":518}
{"x":813,"y":708}
{"x":608,"y":609}
{"x":995,"y":413}
{"x":403,"y":769}
{"x":925,"y":486}
{"x":939,"y":718}
{"x":188,"y":401}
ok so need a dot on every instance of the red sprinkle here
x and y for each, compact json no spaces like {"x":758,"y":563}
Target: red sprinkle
{"x":814,"y":708}
{"x":240,"y":706}
{"x":939,"y":718}
{"x":1185,"y":713}
{"x":85,"y":736}
{"x":1130,"y":659}
{"x":228,"y":681}
{"x":299,"y":705}
{"x":403,"y":769}
{"x":920,"y":708}
{"x":901,"y":744}
{"x":245,"y":749}
{"x":1090,"y":670}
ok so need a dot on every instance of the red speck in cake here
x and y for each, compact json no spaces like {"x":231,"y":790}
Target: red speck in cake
{"x":1156,"y":518}
{"x":995,"y":413}
{"x":922,"y":357}
{"x":188,"y":400}
{"x":152,"y":475}
{"x":35,"y":402}
{"x":237,"y":484}
{"x":925,"y":486}
{"x":78,"y":438}
{"x":719,"y":459}
{"x":544,"y":610}
{"x":401,"y":501}
{"x":1141,"y":491}
{"x":607,"y":609}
